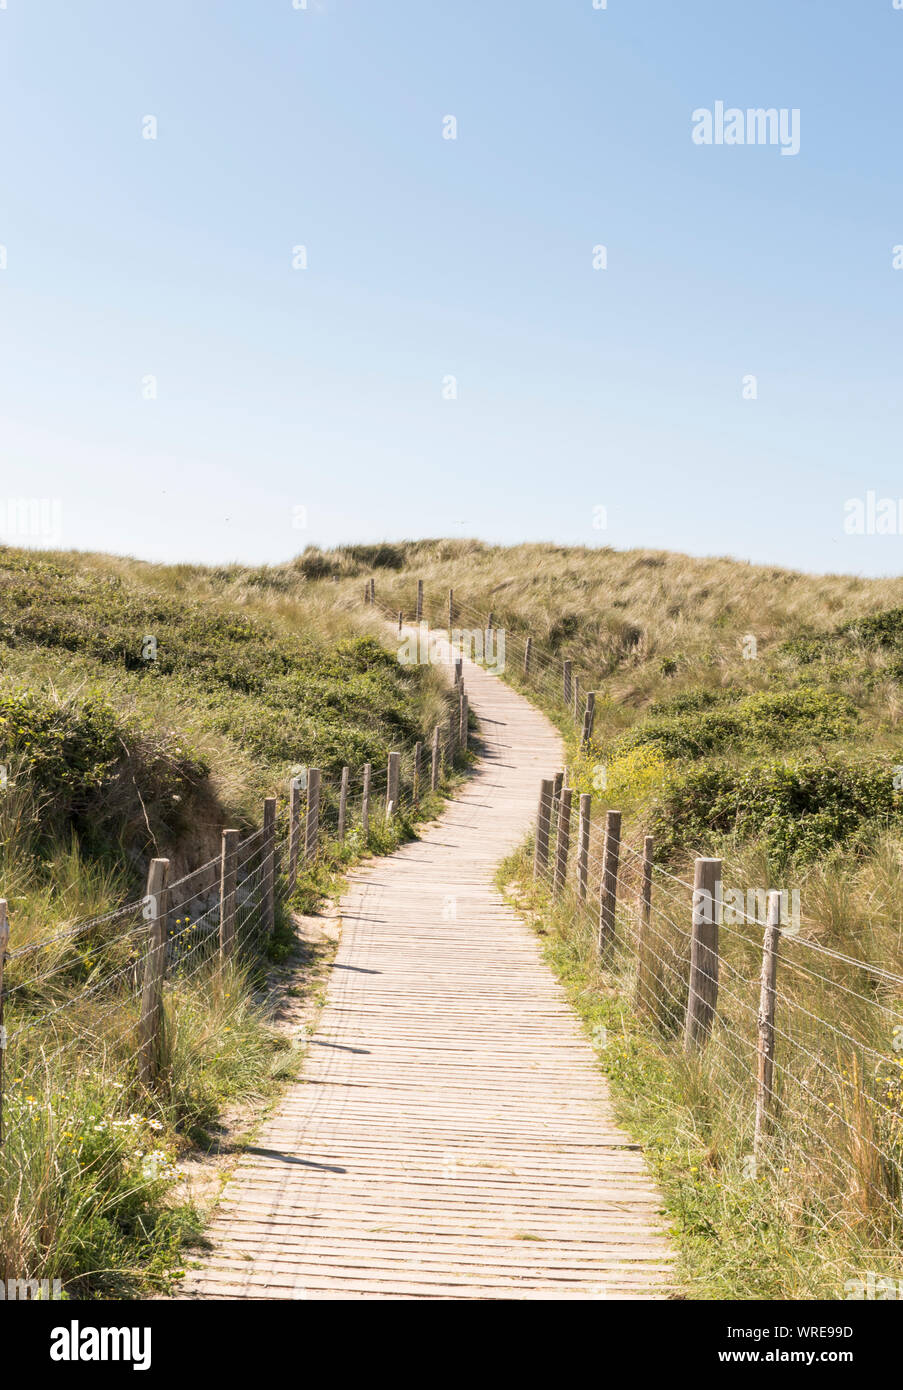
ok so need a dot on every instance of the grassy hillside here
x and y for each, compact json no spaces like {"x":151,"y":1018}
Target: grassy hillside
{"x":142,"y":709}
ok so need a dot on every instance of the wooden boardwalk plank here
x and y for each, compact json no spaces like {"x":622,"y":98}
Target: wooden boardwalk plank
{"x":451,"y":1135}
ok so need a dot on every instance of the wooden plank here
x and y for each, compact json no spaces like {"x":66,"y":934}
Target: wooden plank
{"x":543,"y":827}
{"x":418,"y":758}
{"x":583,"y":834}
{"x":703,"y":993}
{"x":393,"y":774}
{"x":563,"y":838}
{"x":150,"y":1024}
{"x":228,"y":883}
{"x":343,"y":804}
{"x":365,"y":801}
{"x":268,"y":866}
{"x":765,"y":1028}
{"x":608,"y":888}
{"x":434,"y":761}
{"x":294,"y":831}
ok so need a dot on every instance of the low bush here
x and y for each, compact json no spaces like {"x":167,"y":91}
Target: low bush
{"x":772,"y":719}
{"x":800,"y":809}
{"x":93,"y":773}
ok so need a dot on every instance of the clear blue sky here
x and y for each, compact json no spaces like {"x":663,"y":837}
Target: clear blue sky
{"x":577,"y":389}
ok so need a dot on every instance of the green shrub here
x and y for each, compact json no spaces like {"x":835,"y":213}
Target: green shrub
{"x":697,"y":697}
{"x":377,"y":557}
{"x":92,"y":772}
{"x":882,"y":631}
{"x":806,"y":650}
{"x":562,"y":630}
{"x":313,"y":564}
{"x":772,"y":719}
{"x":802,"y":809}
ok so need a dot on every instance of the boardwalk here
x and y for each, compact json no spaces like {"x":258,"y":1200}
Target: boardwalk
{"x":450,"y":1137}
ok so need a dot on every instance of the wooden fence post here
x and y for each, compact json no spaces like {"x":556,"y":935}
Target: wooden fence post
{"x":576,"y":697}
{"x":418,"y":755}
{"x":4,"y":943}
{"x":365,"y":802}
{"x":703,"y":995}
{"x":465,"y":721}
{"x":556,"y":791}
{"x":419,"y":600}
{"x":490,"y":621}
{"x":462,"y":717}
{"x":649,"y":979}
{"x":312,"y":816}
{"x":392,"y":778}
{"x":452,"y":741}
{"x":343,"y":803}
{"x":459,"y":670}
{"x":568,"y":668}
{"x":608,"y":888}
{"x":400,"y":621}
{"x":434,"y":765}
{"x":228,"y":883}
{"x":586,"y":804}
{"x":150,"y":1024}
{"x":294,"y":830}
{"x":543,"y":824}
{"x":269,"y":866}
{"x":528,"y":649}
{"x":372,"y":590}
{"x":765,"y":1039}
{"x":367,"y":592}
{"x":563,"y":841}
{"x":451,"y":610}
{"x":588,"y":718}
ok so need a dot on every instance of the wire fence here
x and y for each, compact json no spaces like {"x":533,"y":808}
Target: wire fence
{"x":103,"y":991}
{"x":802,"y":1045}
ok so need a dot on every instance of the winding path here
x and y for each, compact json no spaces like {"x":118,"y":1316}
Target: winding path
{"x":450,"y":1136}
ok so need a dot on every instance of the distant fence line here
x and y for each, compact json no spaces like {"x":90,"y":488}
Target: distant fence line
{"x":559,"y":680}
